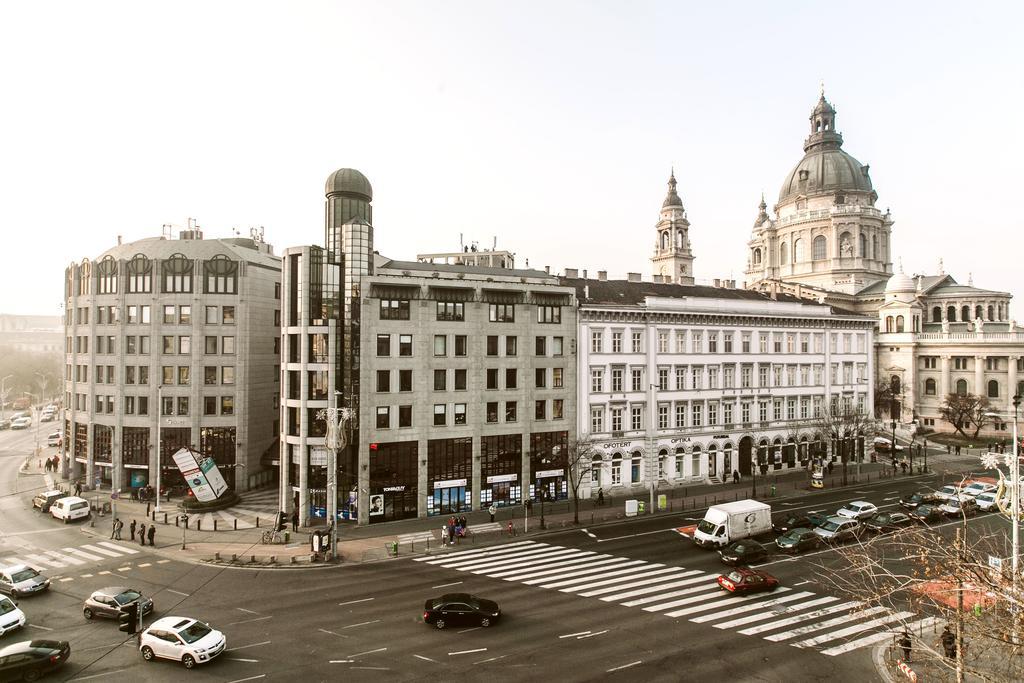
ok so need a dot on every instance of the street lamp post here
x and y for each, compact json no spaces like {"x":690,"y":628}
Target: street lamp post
{"x":926,"y":456}
{"x":892,"y":448}
{"x":159,"y":443}
{"x":337,"y":439}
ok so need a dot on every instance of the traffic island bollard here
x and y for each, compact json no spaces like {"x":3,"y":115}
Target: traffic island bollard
{"x":394,"y":548}
{"x":216,"y":556}
{"x":234,"y":557}
{"x":215,"y":524}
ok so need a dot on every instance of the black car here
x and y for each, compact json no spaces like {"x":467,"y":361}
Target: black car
{"x":796,"y":540}
{"x":884,"y":522}
{"x":785,"y":524}
{"x":919,"y":498}
{"x":743,"y":552}
{"x":460,"y":609}
{"x":31,"y":659}
{"x":817,"y":519}
{"x":928,"y":514}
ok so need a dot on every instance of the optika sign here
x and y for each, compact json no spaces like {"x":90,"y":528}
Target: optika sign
{"x":617,"y":444}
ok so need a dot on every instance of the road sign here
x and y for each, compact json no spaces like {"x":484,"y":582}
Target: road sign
{"x":114,"y":495}
{"x":995,"y":562}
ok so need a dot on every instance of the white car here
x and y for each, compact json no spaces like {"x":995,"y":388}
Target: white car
{"x":21,"y":423}
{"x":948,"y":492}
{"x":858,"y":509}
{"x":977,"y":488}
{"x":53,"y":439}
{"x":182,"y":639}
{"x":70,"y":508}
{"x":986,"y":502}
{"x":11,"y":617}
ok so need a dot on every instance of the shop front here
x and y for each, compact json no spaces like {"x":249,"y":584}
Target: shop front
{"x":393,"y":481}
{"x":548,"y":466}
{"x":449,"y":468}
{"x":501,"y":465}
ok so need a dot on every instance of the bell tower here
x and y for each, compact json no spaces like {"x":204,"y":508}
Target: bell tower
{"x":673,"y":259}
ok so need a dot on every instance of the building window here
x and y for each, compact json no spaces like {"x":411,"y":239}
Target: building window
{"x":405,"y":380}
{"x":210,"y":374}
{"x":556,"y":346}
{"x":541,"y":346}
{"x":440,"y":414}
{"x":637,"y":379}
{"x":511,"y":411}
{"x":663,"y":416}
{"x":227,"y":405}
{"x":383,"y":417}
{"x":636,"y":417}
{"x":182,"y":405}
{"x":492,"y":411}
{"x":616,"y":380}
{"x":820,"y":247}
{"x":450,"y":310}
{"x":511,"y":345}
{"x":556,"y":378}
{"x":461,"y":345}
{"x":597,"y":341}
{"x":929,"y":387}
{"x":212,"y":315}
{"x":221,"y":275}
{"x":440,"y":345}
{"x":638,"y":342}
{"x":492,"y":345}
{"x":993,"y":389}
{"x":557,"y":409}
{"x":460,"y":380}
{"x":492,"y":378}
{"x":502,"y":313}
{"x":227,"y":315}
{"x":616,"y":342}
{"x":169,"y":315}
{"x":727,"y":342}
{"x":394,"y":309}
{"x":210,"y":345}
{"x":616,"y":419}
{"x":140,"y":275}
{"x":227,"y":374}
{"x":663,"y":379}
{"x":404,"y":416}
{"x":510,"y":378}
{"x":383,"y":380}
{"x":405,"y":345}
{"x":540,"y":411}
{"x":549,"y":314}
{"x":662,"y":341}
{"x":440,"y":380}
{"x":596,"y":380}
{"x":209,"y":405}
{"x":227,"y":345}
{"x":383,"y":344}
{"x":540,"y":378}
{"x":177,"y":274}
{"x":596,"y":420}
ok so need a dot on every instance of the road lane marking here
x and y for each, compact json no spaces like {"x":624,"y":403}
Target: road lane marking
{"x":43,"y":628}
{"x":445,"y":585}
{"x":146,"y":564}
{"x":573,"y":635}
{"x":109,"y":572}
{"x":588,"y":533}
{"x":372,"y":668}
{"x":246,"y":621}
{"x":242,"y":647}
{"x":240,"y":609}
{"x":239,"y":659}
{"x":70,"y":578}
{"x":467,"y":630}
{"x":123,"y":569}
{"x":642,"y":533}
{"x":492,"y":659}
{"x":86,"y":576}
{"x":427,"y":659}
{"x":82,"y":553}
{"x":340,"y":635}
{"x":106,"y":673}
{"x":165,"y":562}
{"x":364,"y":623}
{"x":169,"y":590}
{"x":625,"y":666}
{"x":368,"y":652}
{"x":802,"y":582}
{"x":250,"y":678}
{"x":340,"y":661}
{"x":591,"y":635}
{"x":120,"y":548}
{"x":466,"y":652}
{"x":352,"y":602}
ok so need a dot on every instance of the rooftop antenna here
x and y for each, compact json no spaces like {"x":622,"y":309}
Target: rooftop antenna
{"x":495,"y":247}
{"x":166,"y":229}
{"x":462,"y":244}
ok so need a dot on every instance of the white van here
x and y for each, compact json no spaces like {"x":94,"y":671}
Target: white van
{"x":70,"y":508}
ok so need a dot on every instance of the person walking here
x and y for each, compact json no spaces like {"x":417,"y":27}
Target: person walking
{"x":142,"y":534}
{"x":735,"y":477}
{"x":78,"y":488}
{"x":600,"y":496}
{"x":131,"y":529}
{"x":948,"y":643}
{"x":444,"y":535}
{"x":492,"y":511}
{"x":463,"y":523}
{"x":152,"y":533}
{"x":906,"y":644}
{"x":295,"y":520}
{"x":451,"y":530}
{"x":116,"y":533}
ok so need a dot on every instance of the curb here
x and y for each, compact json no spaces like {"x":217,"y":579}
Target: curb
{"x":878,"y":657}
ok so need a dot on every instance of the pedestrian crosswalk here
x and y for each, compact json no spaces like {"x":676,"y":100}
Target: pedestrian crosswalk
{"x":69,"y":557}
{"x":799,"y":618}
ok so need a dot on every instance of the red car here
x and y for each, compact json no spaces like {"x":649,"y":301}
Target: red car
{"x":745,"y":580}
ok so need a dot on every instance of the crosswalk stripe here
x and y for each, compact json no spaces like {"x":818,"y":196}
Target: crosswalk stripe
{"x":82,"y":553}
{"x":467,"y":554}
{"x":788,"y":621}
{"x":494,"y":562}
{"x":61,"y":557}
{"x":598,"y":565}
{"x":657,"y":588}
{"x":720,"y":603}
{"x":789,"y":609}
{"x":856,"y":628}
{"x":527,"y":572}
{"x":11,"y":561}
{"x":673,"y":594}
{"x":102,"y":551}
{"x":521,"y":560}
{"x":702,"y":593}
{"x":120,"y":548}
{"x":804,"y":630}
{"x":678,"y":573}
{"x":510,"y":568}
{"x":45,"y":561}
{"x":627,"y":567}
{"x":917,"y":626}
{"x":747,"y":608}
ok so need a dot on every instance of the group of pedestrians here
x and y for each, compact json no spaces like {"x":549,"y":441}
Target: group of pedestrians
{"x":133,"y":529}
{"x":456,"y":528}
{"x":52,"y":464}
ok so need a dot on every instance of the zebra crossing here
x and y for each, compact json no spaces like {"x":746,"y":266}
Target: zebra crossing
{"x":70,"y":557}
{"x":799,"y":618}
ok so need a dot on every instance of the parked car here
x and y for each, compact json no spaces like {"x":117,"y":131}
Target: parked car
{"x":30,"y":659}
{"x":948,"y":491}
{"x":798,"y":539}
{"x":858,"y":509}
{"x":885,"y":522}
{"x":986,"y":502}
{"x":182,"y":639}
{"x":743,"y":552}
{"x":928,"y":514}
{"x":11,"y":617}
{"x":44,"y":500}
{"x":920,"y":498}
{"x":5,"y":423}
{"x":460,"y":609}
{"x":110,"y":602}
{"x":838,"y":529}
{"x":790,"y":522}
{"x":70,"y":508}
{"x":53,"y":439}
{"x":745,"y":580}
{"x":885,"y":445}
{"x":21,"y":579}
{"x":957,"y":507}
{"x":21,"y":423}
{"x":817,"y":519}
{"x":976,"y":488}
{"x":47,"y":416}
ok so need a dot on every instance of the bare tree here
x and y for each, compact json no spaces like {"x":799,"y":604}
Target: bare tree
{"x":843,"y":424}
{"x":883,"y":398}
{"x":579,"y":459}
{"x":964,"y":410}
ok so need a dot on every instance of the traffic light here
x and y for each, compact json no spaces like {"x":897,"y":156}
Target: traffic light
{"x":282,"y":521}
{"x":128,"y":620}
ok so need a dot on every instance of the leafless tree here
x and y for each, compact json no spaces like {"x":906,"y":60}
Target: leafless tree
{"x":579,"y":458}
{"x":845,"y":425}
{"x":964,"y":410}
{"x":883,"y":398}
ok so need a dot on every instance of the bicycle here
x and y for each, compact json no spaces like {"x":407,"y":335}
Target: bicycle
{"x":270,"y":537}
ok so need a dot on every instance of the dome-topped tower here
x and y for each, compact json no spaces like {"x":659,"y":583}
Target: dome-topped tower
{"x":673,"y":259}
{"x":348,"y":197}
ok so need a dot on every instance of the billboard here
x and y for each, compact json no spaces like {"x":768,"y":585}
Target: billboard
{"x":201,"y":473}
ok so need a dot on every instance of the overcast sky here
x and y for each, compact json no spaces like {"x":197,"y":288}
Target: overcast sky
{"x":549,"y":125}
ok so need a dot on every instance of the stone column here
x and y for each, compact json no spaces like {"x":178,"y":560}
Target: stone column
{"x":1011,"y":379}
{"x":979,"y":376}
{"x":945,"y":377}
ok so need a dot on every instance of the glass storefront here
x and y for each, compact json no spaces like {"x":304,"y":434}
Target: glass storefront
{"x":548,"y":461}
{"x":393,"y":481}
{"x":501,"y":465}
{"x":449,"y":473}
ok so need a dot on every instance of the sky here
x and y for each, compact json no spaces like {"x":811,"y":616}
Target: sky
{"x":550,"y":126}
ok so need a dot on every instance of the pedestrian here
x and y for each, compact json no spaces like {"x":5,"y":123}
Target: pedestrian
{"x":295,"y":520}
{"x":600,"y":496}
{"x":152,"y":533}
{"x":947,"y":449}
{"x":906,"y":644}
{"x":131,"y":529}
{"x":492,"y":510}
{"x":463,"y":523}
{"x":958,"y":450}
{"x":903,"y":466}
{"x":735,"y":477}
{"x":118,"y":525}
{"x":142,"y":534}
{"x":451,"y":530}
{"x":948,"y":642}
{"x":511,"y":528}
{"x":830,"y":467}
{"x":444,"y":535}
{"x":78,"y":488}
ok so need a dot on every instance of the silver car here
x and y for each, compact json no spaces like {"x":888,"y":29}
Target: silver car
{"x":838,"y":529}
{"x":109,"y":602}
{"x":21,"y":579}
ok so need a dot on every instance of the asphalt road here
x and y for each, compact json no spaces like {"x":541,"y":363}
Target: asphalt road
{"x":363,"y":622}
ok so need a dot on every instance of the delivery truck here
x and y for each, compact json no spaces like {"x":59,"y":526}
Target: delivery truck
{"x":723,"y":524}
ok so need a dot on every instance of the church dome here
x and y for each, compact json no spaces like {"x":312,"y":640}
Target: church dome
{"x":900,"y":282}
{"x":348,"y":181}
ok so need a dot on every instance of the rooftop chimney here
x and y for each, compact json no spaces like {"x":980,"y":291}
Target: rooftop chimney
{"x":584,"y":273}
{"x":633,"y":277}
{"x":602,"y":275}
{"x":572,"y":273}
{"x":718,"y":283}
{"x":547,"y":269}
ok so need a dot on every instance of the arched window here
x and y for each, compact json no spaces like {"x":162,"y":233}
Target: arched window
{"x":993,"y":389}
{"x":917,"y":323}
{"x":679,"y":239}
{"x":989,"y":314}
{"x":894,"y":384}
{"x":783,"y":254}
{"x":664,"y":241}
{"x":1020,"y":388}
{"x":965,"y":313}
{"x":798,"y":251}
{"x":177,"y":274}
{"x":820,"y":248}
{"x":107,"y":271}
{"x":979,"y":312}
{"x":140,"y":275}
{"x":695,"y":465}
{"x":951,"y":314}
{"x":937,"y":314}
{"x":929,"y":387}
{"x":762,"y":452}
{"x":662,"y":459}
{"x":85,"y":278}
{"x":728,"y":464}
{"x":863,"y":245}
{"x":616,"y":469}
{"x":757,"y":257}
{"x":634,"y":472}
{"x":596,"y":465}
{"x":888,"y":323}
{"x":961,"y":387}
{"x":221,"y":275}
{"x":899,"y":323}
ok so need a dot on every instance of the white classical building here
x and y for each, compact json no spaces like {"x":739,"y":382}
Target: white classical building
{"x":683,"y":383}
